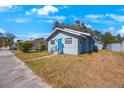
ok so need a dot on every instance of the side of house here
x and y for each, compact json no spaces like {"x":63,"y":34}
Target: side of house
{"x":38,"y":41}
{"x":85,"y":45}
{"x":99,"y":44}
{"x":61,"y":42}
{"x":65,"y":41}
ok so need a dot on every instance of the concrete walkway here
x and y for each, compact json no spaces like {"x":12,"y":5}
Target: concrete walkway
{"x":15,"y":74}
{"x":40,"y":58}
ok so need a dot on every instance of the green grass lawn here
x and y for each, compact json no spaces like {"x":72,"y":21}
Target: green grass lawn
{"x":102,"y":69}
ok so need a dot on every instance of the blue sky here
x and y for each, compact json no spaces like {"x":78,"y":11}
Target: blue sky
{"x":37,"y":21}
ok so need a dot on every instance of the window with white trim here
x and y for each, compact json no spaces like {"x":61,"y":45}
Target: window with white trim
{"x":52,"y":42}
{"x":68,"y":40}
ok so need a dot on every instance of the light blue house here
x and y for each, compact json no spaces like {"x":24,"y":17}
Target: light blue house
{"x":67,"y":41}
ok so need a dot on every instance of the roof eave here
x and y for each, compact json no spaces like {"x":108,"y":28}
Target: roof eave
{"x":71,"y":31}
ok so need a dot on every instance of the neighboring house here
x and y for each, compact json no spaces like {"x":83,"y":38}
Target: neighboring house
{"x":38,"y":41}
{"x":116,"y":47}
{"x":98,"y":43}
{"x":67,"y":41}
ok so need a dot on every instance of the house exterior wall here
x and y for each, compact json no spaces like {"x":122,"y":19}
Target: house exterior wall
{"x":37,"y":42}
{"x":80,"y":41}
{"x":71,"y":49}
{"x":90,"y":44}
{"x":85,"y":45}
{"x":100,"y":46}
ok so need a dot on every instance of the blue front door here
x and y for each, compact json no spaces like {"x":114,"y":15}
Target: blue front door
{"x":60,"y":46}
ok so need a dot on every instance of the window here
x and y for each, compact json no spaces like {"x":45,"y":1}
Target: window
{"x":52,"y":42}
{"x":68,"y":40}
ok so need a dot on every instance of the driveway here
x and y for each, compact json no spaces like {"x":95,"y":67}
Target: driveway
{"x":15,"y":74}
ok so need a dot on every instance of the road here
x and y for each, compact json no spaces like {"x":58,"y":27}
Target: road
{"x":15,"y":74}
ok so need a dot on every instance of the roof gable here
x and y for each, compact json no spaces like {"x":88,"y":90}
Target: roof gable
{"x":74,"y":32}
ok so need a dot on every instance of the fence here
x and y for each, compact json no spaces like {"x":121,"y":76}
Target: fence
{"x":117,"y":47}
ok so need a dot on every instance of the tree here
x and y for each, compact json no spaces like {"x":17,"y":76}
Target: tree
{"x":25,"y":46}
{"x":120,"y":39}
{"x":41,"y":47}
{"x":9,"y":39}
{"x":78,"y":22}
{"x":108,"y":38}
{"x":98,"y":33}
{"x":62,"y":25}
{"x":1,"y":35}
{"x":56,"y":24}
{"x":1,"y":39}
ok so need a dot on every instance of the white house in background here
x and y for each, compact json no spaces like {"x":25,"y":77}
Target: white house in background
{"x":116,"y":47}
{"x":98,"y":42}
{"x":99,"y":45}
{"x":67,"y":41}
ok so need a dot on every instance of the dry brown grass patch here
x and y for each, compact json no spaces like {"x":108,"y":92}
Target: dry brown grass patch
{"x":102,"y":69}
{"x":31,"y":55}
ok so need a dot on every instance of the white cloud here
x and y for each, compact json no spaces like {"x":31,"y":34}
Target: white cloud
{"x":98,"y":18}
{"x":2,"y":30}
{"x":93,"y":16}
{"x":19,"y":20}
{"x":121,"y":31}
{"x":33,"y":35}
{"x":110,"y":29}
{"x":49,"y":21}
{"x":119,"y":18}
{"x":43,"y":11}
{"x":87,"y":25}
{"x":10,"y":8}
{"x":74,"y":17}
{"x":101,"y":18}
{"x":5,"y":8}
{"x":36,"y":35}
{"x":102,"y":21}
{"x":59,"y":18}
{"x":22,"y":20}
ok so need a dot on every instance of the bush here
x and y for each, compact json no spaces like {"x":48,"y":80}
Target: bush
{"x":19,"y":45}
{"x":41,"y":47}
{"x":25,"y":46}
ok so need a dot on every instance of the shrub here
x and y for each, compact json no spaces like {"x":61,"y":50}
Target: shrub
{"x":41,"y":47}
{"x":25,"y":46}
{"x":19,"y":45}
